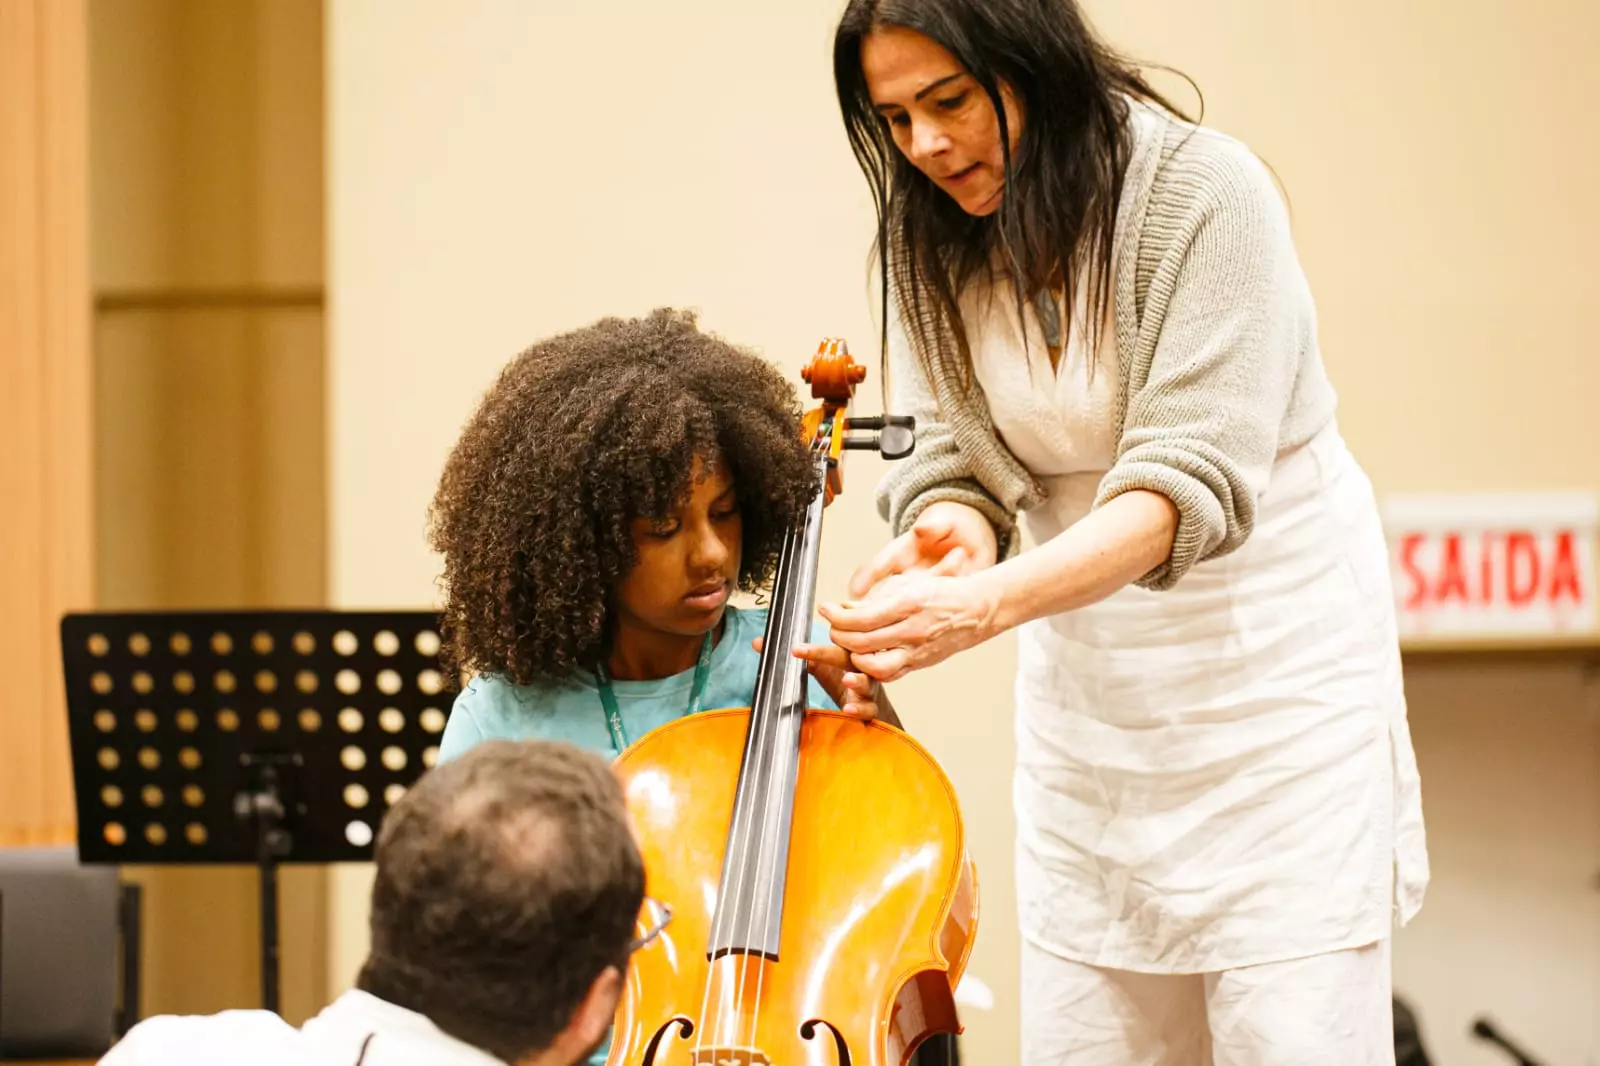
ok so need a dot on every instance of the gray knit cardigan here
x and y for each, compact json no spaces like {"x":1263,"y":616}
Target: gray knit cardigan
{"x":1218,"y":361}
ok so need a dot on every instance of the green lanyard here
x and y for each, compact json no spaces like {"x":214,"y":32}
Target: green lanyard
{"x":608,"y":698}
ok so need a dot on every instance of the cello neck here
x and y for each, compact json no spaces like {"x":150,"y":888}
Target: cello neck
{"x":780,"y":679}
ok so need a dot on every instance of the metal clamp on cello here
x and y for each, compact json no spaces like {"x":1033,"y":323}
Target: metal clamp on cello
{"x":894,"y":436}
{"x":815,"y":866}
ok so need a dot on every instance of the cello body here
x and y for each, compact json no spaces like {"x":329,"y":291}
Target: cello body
{"x":880,"y":919}
{"x":818,"y":903}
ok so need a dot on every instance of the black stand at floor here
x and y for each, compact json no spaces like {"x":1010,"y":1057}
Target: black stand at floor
{"x":249,"y":737}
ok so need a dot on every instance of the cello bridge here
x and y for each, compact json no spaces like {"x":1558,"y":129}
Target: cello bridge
{"x":730,"y":1056}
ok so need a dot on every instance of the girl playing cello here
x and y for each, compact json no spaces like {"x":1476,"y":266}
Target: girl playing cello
{"x":613,"y":489}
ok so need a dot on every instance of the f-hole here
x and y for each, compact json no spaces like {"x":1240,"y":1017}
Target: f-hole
{"x":685,"y":1031}
{"x":808,"y":1031}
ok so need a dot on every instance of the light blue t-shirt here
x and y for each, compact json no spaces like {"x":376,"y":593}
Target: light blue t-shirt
{"x":491,"y":708}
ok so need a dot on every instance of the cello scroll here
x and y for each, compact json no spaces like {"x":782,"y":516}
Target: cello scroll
{"x":833,"y":376}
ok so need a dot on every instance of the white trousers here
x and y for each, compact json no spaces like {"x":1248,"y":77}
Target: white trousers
{"x":1325,"y":1010}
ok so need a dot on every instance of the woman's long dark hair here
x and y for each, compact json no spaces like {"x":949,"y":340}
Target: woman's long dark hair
{"x":1058,"y":211}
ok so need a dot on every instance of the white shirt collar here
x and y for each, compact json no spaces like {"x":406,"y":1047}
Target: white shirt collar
{"x":398,"y":1037}
{"x":356,"y":1028}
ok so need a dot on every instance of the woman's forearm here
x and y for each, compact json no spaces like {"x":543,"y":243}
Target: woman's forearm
{"x":1110,"y":547}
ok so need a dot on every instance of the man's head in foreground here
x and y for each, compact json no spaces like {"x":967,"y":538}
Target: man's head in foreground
{"x":508,"y":885}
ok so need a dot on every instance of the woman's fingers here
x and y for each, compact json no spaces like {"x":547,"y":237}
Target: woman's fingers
{"x":934,"y":534}
{"x":936,"y":542}
{"x":949,"y":524}
{"x":850,"y":679}
{"x":893,"y":558}
{"x":954,"y":563}
{"x":860,"y":617}
{"x":884,"y":666}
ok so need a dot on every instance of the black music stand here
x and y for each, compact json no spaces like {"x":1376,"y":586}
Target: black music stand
{"x":258,"y":737}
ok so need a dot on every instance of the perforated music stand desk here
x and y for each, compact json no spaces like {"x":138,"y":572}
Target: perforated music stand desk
{"x":251,"y":737}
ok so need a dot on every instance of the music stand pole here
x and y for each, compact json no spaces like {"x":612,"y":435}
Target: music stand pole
{"x":263,"y":804}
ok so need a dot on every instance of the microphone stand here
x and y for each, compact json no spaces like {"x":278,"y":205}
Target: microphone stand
{"x":1485,"y":1031}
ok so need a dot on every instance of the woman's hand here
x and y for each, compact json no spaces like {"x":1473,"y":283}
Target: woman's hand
{"x":856,"y":694}
{"x":915,"y":620}
{"x":948,"y":538}
{"x":921,"y":616}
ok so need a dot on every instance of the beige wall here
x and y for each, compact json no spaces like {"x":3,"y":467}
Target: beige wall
{"x":502,"y":170}
{"x":1440,"y":159}
{"x":1509,"y":752}
{"x":206,"y":131}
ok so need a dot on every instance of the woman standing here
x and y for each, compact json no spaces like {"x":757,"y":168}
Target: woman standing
{"x":1095,"y":311}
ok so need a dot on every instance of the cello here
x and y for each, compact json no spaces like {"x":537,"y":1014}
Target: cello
{"x":810,"y":898}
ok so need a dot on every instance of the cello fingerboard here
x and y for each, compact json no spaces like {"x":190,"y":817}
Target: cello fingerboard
{"x":749,"y":911}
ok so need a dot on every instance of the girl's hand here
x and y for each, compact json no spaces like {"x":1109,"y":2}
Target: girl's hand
{"x":856,"y":694}
{"x":948,"y":538}
{"x":913,"y":621}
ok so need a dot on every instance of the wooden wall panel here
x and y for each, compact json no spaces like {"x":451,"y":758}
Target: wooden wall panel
{"x":206,"y":265}
{"x":46,"y":487}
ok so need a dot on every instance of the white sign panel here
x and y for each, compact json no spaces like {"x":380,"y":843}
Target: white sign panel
{"x":1494,"y":566}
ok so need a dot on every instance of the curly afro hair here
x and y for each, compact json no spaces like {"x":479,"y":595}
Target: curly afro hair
{"x":582,"y":434}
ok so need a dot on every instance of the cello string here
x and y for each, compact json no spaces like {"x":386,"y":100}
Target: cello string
{"x":776,"y":677}
{"x":780,"y":664}
{"x":793,"y":625}
{"x":737,"y":863}
{"x":761,"y":889}
{"x":778,"y":673}
{"x":739,"y":921}
{"x":734,"y":864}
{"x":780,"y":659}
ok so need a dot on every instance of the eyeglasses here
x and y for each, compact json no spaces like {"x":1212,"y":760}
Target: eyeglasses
{"x":663,"y":916}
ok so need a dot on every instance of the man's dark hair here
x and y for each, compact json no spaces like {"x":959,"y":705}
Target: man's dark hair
{"x":508,"y":879}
